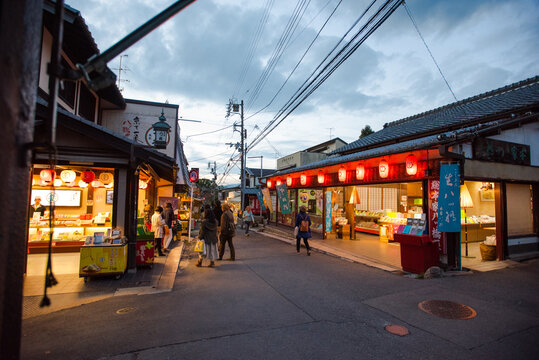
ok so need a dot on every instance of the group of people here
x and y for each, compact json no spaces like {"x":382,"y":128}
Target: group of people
{"x":162,"y":224}
{"x":217,"y":227}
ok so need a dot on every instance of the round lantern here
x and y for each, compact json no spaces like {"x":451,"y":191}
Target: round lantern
{"x":57,"y":182}
{"x":289,"y":181}
{"x":411,"y":164}
{"x":142,"y":185}
{"x":383,"y":168}
{"x":109,"y":185}
{"x":278,"y":182}
{"x":82,"y":184}
{"x":47,"y":175}
{"x":97,"y":184}
{"x":68,"y":176}
{"x":360,"y":172}
{"x":303,"y":179}
{"x":321,"y":177}
{"x":87,"y":176}
{"x":342,"y":174}
{"x":44,"y":183}
{"x":106,"y":178}
{"x":269,"y":183}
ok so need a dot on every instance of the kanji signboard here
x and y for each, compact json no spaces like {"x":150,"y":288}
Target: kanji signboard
{"x":449,"y":199}
{"x":284,"y":201}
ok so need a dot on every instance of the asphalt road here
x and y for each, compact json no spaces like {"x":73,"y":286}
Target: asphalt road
{"x":274,"y":304}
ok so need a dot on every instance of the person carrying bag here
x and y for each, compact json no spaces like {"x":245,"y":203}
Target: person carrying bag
{"x":303,"y":226}
{"x":208,"y":233}
{"x":228,"y":231}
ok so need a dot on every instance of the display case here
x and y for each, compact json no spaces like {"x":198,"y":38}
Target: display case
{"x":367,"y":221}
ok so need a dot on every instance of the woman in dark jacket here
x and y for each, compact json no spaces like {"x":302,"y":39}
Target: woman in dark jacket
{"x":303,"y":223}
{"x":208,"y":233}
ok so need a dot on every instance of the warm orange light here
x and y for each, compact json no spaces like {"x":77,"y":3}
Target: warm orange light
{"x":82,"y":184}
{"x":411,"y":164}
{"x":289,"y":181}
{"x":269,"y":183}
{"x":383,"y":168}
{"x":303,"y":179}
{"x":47,"y":175}
{"x":342,"y":174}
{"x":321,"y":177}
{"x":360,"y":172}
{"x":278,"y":182}
{"x":142,"y":185}
{"x":96,"y":184}
{"x":354,"y":197}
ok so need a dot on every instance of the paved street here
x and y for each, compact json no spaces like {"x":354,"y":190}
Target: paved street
{"x":274,"y":304}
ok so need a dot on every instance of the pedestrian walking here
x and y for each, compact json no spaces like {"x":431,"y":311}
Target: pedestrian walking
{"x":218,"y":213}
{"x":228,"y":231}
{"x":303,"y":223}
{"x":168,"y":216}
{"x":158,"y":224}
{"x":208,"y":233}
{"x":248,"y":219}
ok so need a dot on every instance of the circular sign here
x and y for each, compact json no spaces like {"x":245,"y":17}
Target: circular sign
{"x":193,"y":175}
{"x":150,"y":137}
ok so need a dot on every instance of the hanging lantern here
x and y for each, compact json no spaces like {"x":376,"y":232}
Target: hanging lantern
{"x":106,"y":178}
{"x":278,"y":182}
{"x":57,"y":182}
{"x":97,"y":184}
{"x":354,"y":197}
{"x":68,"y":176}
{"x":47,"y":175}
{"x":303,"y":179}
{"x":269,"y":183}
{"x":142,"y":185}
{"x":82,"y":184}
{"x":411,"y":164}
{"x":289,"y":181}
{"x":44,"y":183}
{"x":342,"y":174}
{"x":321,"y":177}
{"x":70,"y":184}
{"x":87,"y":176}
{"x":383,"y":168}
{"x":360,"y":172}
{"x":109,"y":185}
{"x":161,"y":132}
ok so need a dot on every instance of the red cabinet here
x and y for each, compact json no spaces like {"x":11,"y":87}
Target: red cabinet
{"x":418,"y":252}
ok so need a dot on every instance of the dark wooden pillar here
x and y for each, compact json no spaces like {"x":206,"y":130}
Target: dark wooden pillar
{"x":500,"y":203}
{"x":20,"y":39}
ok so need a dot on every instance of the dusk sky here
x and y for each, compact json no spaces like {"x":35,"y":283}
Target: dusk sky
{"x":199,"y":58}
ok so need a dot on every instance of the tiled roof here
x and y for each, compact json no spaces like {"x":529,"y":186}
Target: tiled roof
{"x":256,"y":171}
{"x":483,"y":107}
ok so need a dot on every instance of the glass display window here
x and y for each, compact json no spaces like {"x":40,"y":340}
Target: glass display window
{"x":313,"y":200}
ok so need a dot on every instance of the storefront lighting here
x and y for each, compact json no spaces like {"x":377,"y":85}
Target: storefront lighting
{"x":342,"y":174}
{"x":44,"y":183}
{"x":68,"y":176}
{"x":278,"y":182}
{"x":354,"y":198}
{"x":47,"y":175}
{"x":288,"y":181}
{"x":33,"y":181}
{"x":161,"y":131}
{"x":97,"y":184}
{"x":383,"y":169}
{"x":87,"y":176}
{"x":70,"y":184}
{"x":269,"y":183}
{"x":142,"y":185}
{"x":321,"y":177}
{"x":411,"y":164}
{"x":106,"y":178}
{"x":303,"y":179}
{"x":109,"y":185}
{"x":82,"y":184}
{"x":360,"y":172}
{"x":57,"y":182}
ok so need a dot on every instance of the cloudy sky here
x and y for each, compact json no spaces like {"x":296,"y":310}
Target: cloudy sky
{"x":216,"y":50}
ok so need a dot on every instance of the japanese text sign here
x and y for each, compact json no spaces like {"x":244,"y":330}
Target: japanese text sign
{"x":260,"y":199}
{"x":449,"y":199}
{"x":328,"y":210}
{"x":284,"y":201}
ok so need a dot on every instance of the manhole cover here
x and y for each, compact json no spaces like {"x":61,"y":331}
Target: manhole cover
{"x":125,"y":310}
{"x":447,"y":309}
{"x":397,"y":330}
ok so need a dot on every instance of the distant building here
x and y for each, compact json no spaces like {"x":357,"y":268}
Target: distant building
{"x":313,"y":154}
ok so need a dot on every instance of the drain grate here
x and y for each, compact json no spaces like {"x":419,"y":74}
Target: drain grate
{"x":447,"y":309}
{"x":125,"y":310}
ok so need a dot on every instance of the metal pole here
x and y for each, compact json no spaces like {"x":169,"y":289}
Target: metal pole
{"x":242,"y":189}
{"x":190,"y":214}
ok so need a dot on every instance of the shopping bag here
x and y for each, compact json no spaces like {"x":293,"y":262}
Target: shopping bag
{"x":168,"y":239}
{"x":199,"y":246}
{"x":296,"y":229}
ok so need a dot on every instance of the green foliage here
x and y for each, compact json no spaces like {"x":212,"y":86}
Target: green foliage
{"x":366,"y":131}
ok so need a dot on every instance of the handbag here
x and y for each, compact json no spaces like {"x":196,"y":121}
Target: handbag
{"x":200,"y":246}
{"x":296,"y":229}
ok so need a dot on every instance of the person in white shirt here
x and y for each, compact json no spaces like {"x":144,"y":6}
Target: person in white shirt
{"x":158,"y":224}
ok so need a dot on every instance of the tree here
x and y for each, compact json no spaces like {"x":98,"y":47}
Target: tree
{"x":366,"y":131}
{"x":208,"y":189}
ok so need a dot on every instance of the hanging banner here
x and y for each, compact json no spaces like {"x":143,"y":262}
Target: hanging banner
{"x":449,"y":199}
{"x":328,"y":210}
{"x":267,"y":199}
{"x":437,"y":236}
{"x":260,"y":199}
{"x":284,"y":201}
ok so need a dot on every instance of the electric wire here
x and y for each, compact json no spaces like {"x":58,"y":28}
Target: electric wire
{"x":209,"y":132}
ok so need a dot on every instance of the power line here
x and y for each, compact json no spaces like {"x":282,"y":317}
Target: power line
{"x":209,"y":132}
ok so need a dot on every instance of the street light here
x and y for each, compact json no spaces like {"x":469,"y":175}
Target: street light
{"x":161,"y":130}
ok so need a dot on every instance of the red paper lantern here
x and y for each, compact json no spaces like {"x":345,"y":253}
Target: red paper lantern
{"x":342,"y":174}
{"x":278,"y":182}
{"x":383,"y":168}
{"x":87,"y":176}
{"x":303,"y":179}
{"x":411,"y":164}
{"x":269,"y":183}
{"x":360,"y":172}
{"x":321,"y":177}
{"x":47,"y":175}
{"x":289,"y":181}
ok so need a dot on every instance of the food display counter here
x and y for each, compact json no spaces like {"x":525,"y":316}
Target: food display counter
{"x":100,"y":260}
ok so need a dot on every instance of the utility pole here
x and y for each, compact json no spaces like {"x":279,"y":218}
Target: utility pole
{"x":242,"y":158}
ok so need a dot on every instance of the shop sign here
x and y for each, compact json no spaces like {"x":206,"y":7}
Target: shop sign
{"x":449,"y":198}
{"x":501,"y":151}
{"x":267,"y":198}
{"x":260,"y":199}
{"x":328,"y":210}
{"x":284,"y":201}
{"x":434,"y":190}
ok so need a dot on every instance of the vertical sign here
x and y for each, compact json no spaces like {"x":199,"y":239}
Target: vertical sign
{"x":328,"y":210}
{"x":449,"y":199}
{"x":260,"y":199}
{"x":267,"y":198}
{"x":434,"y":191}
{"x":284,"y":201}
